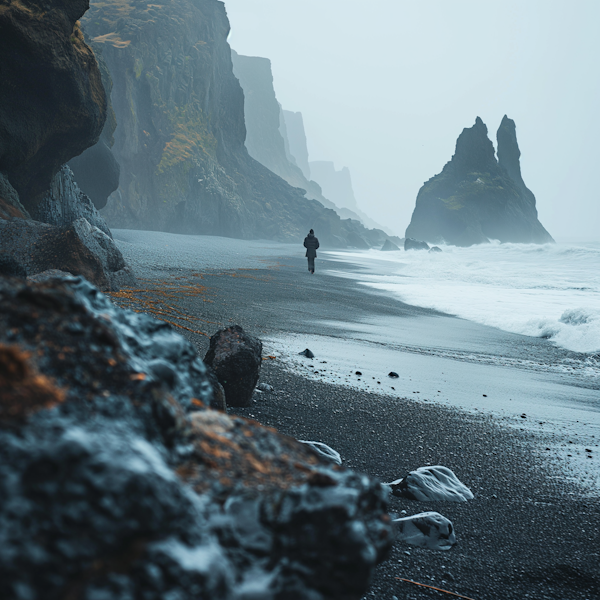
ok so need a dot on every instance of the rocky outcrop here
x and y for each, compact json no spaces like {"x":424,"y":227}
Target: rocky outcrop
{"x":52,"y":107}
{"x":412,"y":244}
{"x":236,"y":358}
{"x":389,"y":246}
{"x":96,"y":169}
{"x":477,"y":198}
{"x":118,"y":482}
{"x":64,"y":203}
{"x":52,"y":103}
{"x":295,"y":136}
{"x":78,"y":248}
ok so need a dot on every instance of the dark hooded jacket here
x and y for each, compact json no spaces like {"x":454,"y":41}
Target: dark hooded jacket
{"x":311,"y":243}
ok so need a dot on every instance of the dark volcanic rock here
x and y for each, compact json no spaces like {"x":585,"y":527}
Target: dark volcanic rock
{"x":52,"y":103}
{"x":410,"y":244}
{"x":435,"y":249}
{"x":116,"y":483}
{"x":96,"y":169}
{"x":476,"y":198}
{"x":9,"y":266}
{"x":64,"y":203}
{"x":79,"y":249}
{"x":10,"y":205}
{"x":389,"y":246}
{"x":236,"y":358}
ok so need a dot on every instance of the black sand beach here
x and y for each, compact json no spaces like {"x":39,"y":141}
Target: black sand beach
{"x":533,"y":529}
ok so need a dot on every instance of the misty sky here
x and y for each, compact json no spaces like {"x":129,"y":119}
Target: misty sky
{"x":386,"y":87}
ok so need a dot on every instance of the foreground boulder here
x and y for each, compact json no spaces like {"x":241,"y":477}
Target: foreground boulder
{"x":236,"y":358}
{"x":118,"y":482}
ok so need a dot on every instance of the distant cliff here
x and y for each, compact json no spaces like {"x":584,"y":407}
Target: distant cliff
{"x":180,"y":135}
{"x":263,"y":116}
{"x":296,"y":137}
{"x":337,"y":186}
{"x":477,"y":198}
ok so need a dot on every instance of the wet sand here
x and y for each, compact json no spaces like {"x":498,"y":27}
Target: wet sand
{"x":532,"y":530}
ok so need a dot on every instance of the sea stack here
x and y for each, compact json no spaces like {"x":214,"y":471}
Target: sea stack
{"x":477,"y":198}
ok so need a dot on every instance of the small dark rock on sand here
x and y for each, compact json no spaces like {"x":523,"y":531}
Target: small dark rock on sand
{"x":435,"y":249}
{"x":307,"y":353}
{"x":236,"y":358}
{"x":393,"y":375}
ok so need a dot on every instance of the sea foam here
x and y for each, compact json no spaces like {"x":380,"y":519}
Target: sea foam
{"x":550,"y":291}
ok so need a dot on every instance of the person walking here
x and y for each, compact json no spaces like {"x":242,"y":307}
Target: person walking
{"x":311,"y":243}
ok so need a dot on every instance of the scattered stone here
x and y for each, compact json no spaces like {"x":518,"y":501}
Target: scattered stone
{"x":426,"y":530}
{"x":236,"y":358}
{"x":265,"y":387}
{"x":412,"y":244}
{"x":324,"y":451}
{"x":307,"y":353}
{"x":523,"y":416}
{"x":434,"y":483}
{"x":393,"y":375}
{"x":435,"y":249}
{"x":358,"y":373}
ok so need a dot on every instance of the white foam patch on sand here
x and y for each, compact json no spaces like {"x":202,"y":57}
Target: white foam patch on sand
{"x":550,"y":291}
{"x":426,"y":530}
{"x":432,"y":483}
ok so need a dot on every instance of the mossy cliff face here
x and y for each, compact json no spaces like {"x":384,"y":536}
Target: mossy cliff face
{"x":477,"y":198}
{"x":180,"y":129}
{"x":52,"y":103}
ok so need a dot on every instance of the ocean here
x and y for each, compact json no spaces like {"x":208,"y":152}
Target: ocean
{"x":548,"y":291}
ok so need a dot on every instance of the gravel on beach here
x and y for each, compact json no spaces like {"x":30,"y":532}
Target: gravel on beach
{"x":529,"y":532}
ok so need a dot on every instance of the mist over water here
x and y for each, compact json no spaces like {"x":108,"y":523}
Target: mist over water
{"x":550,"y":291}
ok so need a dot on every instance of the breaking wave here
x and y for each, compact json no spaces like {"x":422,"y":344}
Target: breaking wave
{"x":550,"y":291}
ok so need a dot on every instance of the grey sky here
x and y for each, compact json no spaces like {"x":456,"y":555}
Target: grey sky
{"x":386,"y":86}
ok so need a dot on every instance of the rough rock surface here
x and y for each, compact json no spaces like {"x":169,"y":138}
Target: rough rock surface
{"x":412,"y":244}
{"x":79,"y":248}
{"x":477,"y":198}
{"x":117,"y":483}
{"x":96,"y":169}
{"x":10,"y":205}
{"x":181,"y":131}
{"x":64,"y":203}
{"x":52,"y":103}
{"x":432,"y":484}
{"x":236,"y":358}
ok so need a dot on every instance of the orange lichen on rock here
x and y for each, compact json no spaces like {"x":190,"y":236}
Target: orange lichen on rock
{"x":241,"y":451}
{"x":23,"y":390}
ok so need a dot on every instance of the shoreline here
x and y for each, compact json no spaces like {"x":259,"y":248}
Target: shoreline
{"x":528,"y":522}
